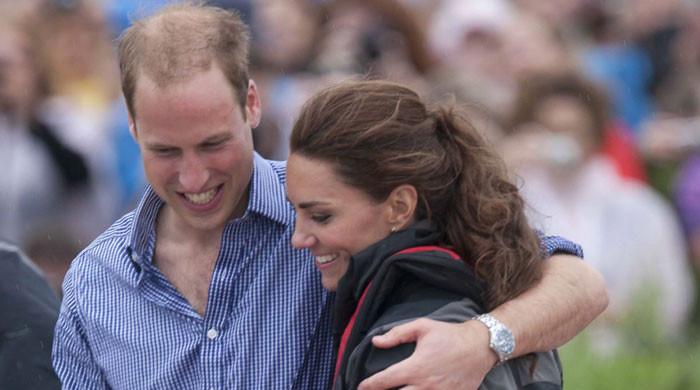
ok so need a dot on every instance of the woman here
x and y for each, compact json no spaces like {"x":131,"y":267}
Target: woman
{"x":409,"y":214}
{"x":627,"y":227}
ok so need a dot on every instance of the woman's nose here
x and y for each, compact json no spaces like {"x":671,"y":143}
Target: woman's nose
{"x":301,"y":240}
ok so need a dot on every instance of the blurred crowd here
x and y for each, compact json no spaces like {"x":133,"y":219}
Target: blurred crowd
{"x":594,"y":105}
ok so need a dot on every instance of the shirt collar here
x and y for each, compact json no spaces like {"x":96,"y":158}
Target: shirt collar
{"x":143,"y":225}
{"x":266,"y":198}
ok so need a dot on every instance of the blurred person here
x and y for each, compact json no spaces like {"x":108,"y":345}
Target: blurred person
{"x":687,"y":199}
{"x":562,"y":13}
{"x":28,"y":312}
{"x":204,"y":259}
{"x":679,"y":93}
{"x":631,"y":234}
{"x":301,"y":46}
{"x":284,"y":34}
{"x":282,"y":49}
{"x":673,"y":142}
{"x":40,"y":172}
{"x":653,"y":26}
{"x":618,"y":61}
{"x":485,"y":47}
{"x":533,"y":46}
{"x":468,"y":38}
{"x":72,"y":46}
{"x":672,"y":138}
{"x":501,"y":48}
{"x":382,"y":39}
{"x":472,"y":42}
{"x":400,"y":243}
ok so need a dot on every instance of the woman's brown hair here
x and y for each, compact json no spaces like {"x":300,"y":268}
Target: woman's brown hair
{"x":380,"y":135}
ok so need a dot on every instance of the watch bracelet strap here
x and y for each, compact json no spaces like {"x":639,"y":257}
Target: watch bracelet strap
{"x":491,"y":323}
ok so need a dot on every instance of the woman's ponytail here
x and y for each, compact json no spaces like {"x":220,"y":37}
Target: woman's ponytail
{"x":485,"y":221}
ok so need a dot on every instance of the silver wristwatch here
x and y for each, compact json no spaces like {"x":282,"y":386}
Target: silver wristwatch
{"x":502,"y":341}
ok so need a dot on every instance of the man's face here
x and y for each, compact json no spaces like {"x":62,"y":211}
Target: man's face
{"x":197,"y":147}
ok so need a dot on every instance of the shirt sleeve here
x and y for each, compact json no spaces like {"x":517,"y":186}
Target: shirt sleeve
{"x":553,"y":245}
{"x":72,"y":358}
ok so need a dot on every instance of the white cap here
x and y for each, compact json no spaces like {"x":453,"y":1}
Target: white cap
{"x":454,"y":19}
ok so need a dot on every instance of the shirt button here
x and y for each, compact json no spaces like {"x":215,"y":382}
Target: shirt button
{"x":212,"y":333}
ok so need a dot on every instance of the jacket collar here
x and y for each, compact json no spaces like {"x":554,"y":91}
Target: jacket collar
{"x":364,"y":264}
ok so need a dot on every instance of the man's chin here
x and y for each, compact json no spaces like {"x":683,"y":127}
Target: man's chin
{"x":207,"y":222}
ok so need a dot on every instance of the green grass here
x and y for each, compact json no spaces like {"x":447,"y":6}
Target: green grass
{"x":645,"y":360}
{"x":671,"y":367}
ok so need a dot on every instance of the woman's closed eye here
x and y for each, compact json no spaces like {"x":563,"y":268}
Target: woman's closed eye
{"x":320,"y":218}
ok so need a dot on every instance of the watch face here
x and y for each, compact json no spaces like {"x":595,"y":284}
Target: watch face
{"x":503,"y":341}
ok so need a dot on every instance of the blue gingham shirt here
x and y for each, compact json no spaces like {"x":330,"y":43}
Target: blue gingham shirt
{"x":267,"y":323}
{"x":123,"y":325}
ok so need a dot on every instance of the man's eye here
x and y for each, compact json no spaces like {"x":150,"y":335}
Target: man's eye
{"x":320,"y":218}
{"x":212,"y":146}
{"x":164,"y":152}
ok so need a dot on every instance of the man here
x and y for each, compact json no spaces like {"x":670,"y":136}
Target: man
{"x":199,"y":286}
{"x":28,"y":311}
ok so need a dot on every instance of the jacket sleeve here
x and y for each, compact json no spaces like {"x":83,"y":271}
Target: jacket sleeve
{"x":367,"y":360}
{"x":541,"y":371}
{"x":72,"y":358}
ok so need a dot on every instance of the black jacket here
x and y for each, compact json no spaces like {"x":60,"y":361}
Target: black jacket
{"x":28,"y":314}
{"x":402,"y":278}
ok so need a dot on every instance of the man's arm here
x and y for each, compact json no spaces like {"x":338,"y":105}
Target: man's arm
{"x":71,"y":356}
{"x":569,"y":296}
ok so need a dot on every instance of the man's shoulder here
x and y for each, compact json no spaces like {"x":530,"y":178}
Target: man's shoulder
{"x":10,"y":255}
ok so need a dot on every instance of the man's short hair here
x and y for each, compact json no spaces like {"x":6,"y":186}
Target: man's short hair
{"x":181,"y":40}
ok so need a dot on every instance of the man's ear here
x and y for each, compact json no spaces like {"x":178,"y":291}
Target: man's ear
{"x":402,"y":205}
{"x":252,"y":105}
{"x":132,"y":127}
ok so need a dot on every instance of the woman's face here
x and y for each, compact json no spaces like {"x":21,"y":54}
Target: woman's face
{"x":334,"y":220}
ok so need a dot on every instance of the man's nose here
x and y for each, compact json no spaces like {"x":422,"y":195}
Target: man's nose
{"x":194,"y":174}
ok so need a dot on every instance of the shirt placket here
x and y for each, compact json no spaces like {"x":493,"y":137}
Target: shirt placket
{"x":224,"y":291}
